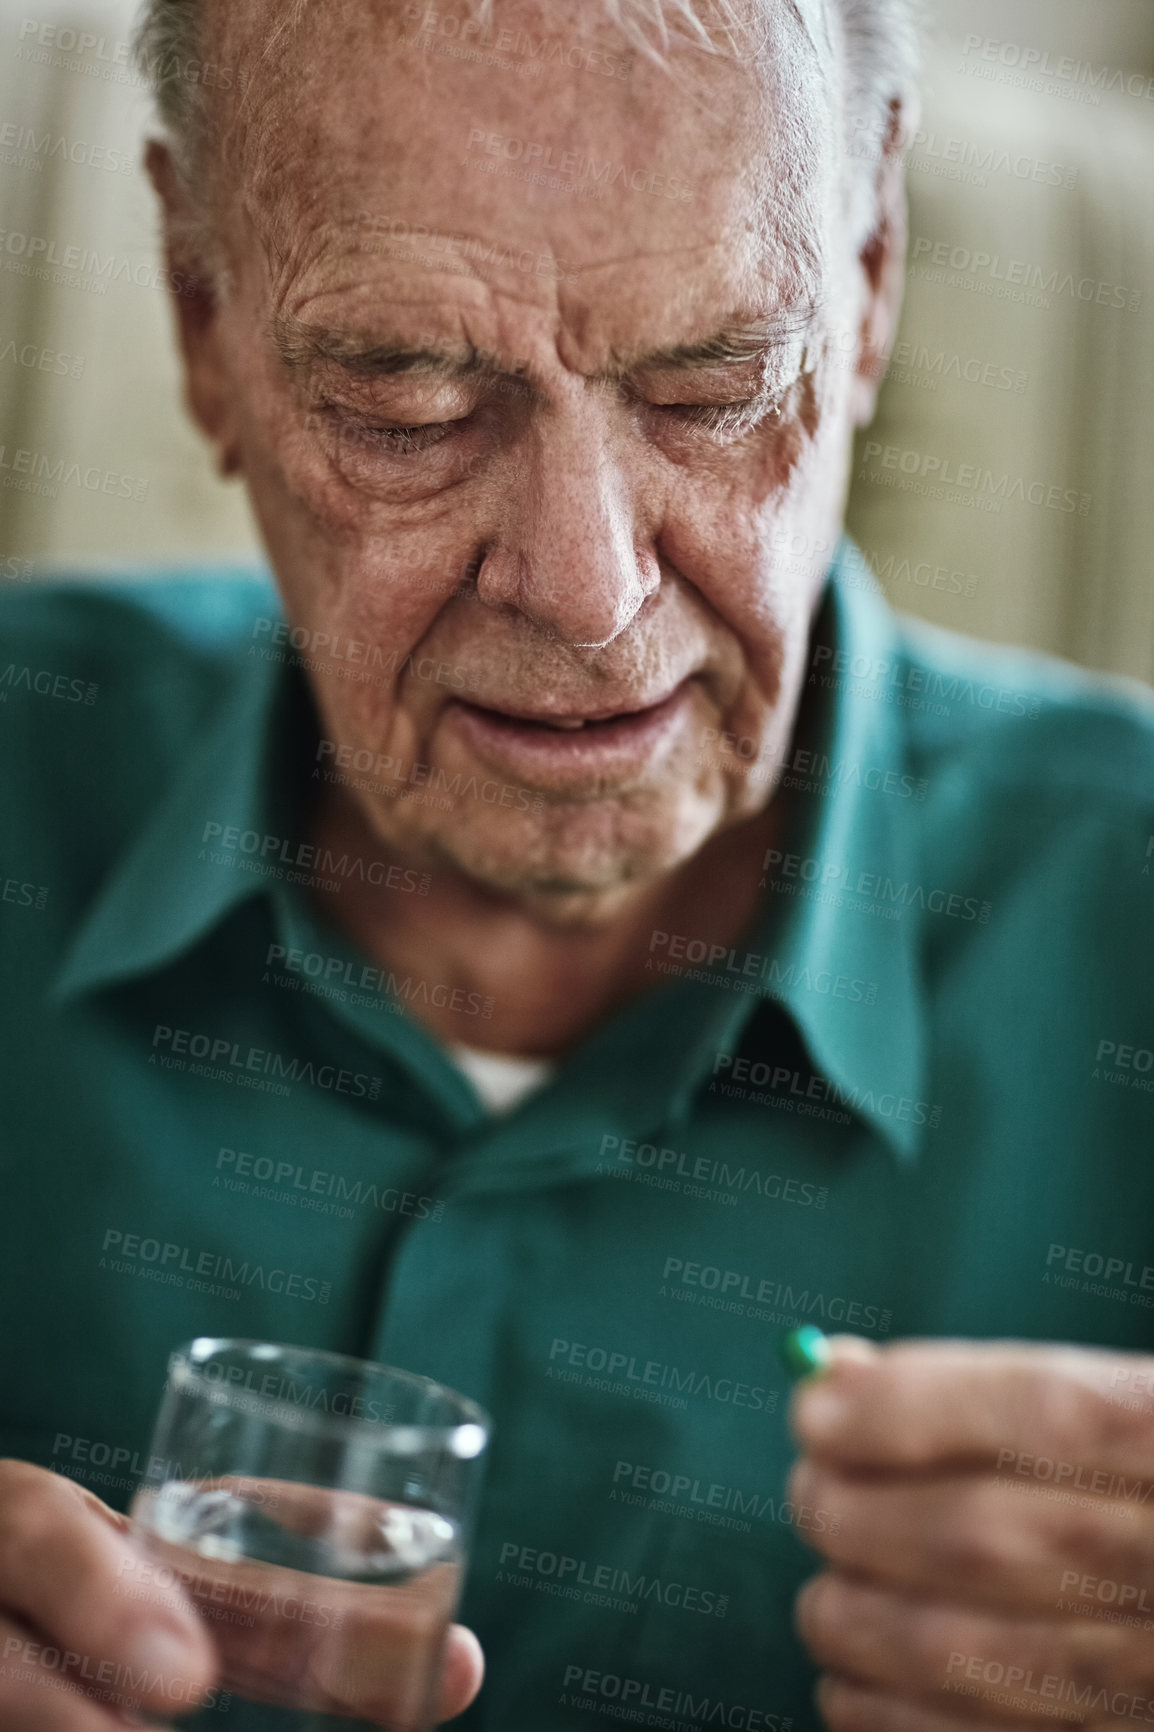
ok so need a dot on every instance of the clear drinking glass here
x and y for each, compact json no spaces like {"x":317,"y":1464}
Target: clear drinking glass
{"x":316,"y":1508}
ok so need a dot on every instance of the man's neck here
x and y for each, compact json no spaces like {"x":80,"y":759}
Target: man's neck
{"x":548,"y":978}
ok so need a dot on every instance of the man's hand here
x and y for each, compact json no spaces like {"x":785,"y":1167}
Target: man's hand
{"x":77,"y":1654}
{"x":93,"y":1632}
{"x":993,"y":1560}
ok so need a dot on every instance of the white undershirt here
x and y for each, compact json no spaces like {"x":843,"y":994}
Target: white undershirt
{"x":502,"y":1081}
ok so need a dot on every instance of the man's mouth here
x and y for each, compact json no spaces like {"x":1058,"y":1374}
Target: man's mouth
{"x":555,"y":748}
{"x":567,"y":724}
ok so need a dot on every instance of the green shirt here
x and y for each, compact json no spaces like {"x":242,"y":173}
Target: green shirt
{"x":918,"y":1099}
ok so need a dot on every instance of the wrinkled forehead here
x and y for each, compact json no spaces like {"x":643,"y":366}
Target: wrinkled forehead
{"x":284,"y":36}
{"x":332,"y":89}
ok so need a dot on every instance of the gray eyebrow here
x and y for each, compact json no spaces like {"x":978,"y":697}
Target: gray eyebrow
{"x":758,"y":340}
{"x":300,"y":345}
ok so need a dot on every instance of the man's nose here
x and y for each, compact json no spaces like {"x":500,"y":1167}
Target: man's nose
{"x":567,"y":555}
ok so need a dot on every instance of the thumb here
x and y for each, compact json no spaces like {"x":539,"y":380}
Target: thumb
{"x":846,"y":1349}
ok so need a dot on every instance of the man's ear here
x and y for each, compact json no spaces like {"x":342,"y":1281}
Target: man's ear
{"x":196,"y":309}
{"x":883,"y":262}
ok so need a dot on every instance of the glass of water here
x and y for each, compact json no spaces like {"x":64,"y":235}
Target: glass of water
{"x":316,"y":1509}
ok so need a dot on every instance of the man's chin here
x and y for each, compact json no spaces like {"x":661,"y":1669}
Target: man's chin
{"x":566,"y":864}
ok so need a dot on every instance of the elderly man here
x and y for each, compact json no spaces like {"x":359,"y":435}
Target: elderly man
{"x":584,"y":934}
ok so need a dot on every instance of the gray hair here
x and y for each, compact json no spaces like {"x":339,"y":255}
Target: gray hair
{"x":881,"y":52}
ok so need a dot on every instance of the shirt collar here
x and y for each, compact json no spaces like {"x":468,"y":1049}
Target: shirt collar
{"x":846,"y":970}
{"x":175,"y":881}
{"x":847,"y":976}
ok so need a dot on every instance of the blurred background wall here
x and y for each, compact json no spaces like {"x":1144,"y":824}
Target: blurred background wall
{"x":1006,"y":488}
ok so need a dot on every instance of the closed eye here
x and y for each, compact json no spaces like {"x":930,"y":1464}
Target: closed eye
{"x":724,"y":421}
{"x":406,"y":441}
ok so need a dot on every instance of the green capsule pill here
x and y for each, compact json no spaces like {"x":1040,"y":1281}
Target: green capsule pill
{"x":804,"y":1350}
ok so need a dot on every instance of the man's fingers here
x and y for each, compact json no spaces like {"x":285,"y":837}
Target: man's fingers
{"x":848,"y":1706}
{"x":1007,"y":1668}
{"x":328,"y":1646}
{"x":37,"y":1694}
{"x":462,"y":1675}
{"x":391,"y":1642}
{"x":1063,"y":1415}
{"x":98,"y":1627}
{"x":319,"y":1644}
{"x":112,"y":1518}
{"x":846,"y":1347}
{"x":993,"y":1543}
{"x":74,"y":1579}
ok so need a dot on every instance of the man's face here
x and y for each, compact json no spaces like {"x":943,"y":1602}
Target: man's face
{"x":547,"y":542}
